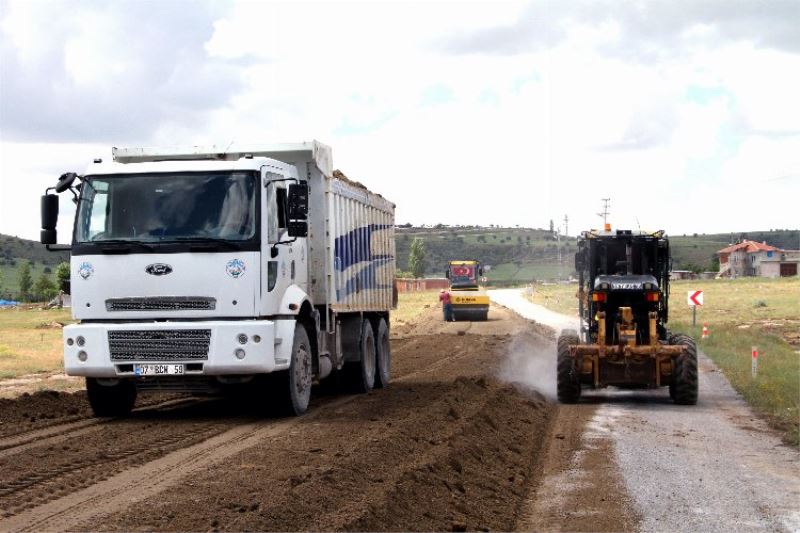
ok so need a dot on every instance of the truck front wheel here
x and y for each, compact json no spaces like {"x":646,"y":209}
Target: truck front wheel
{"x":111,"y":399}
{"x":294,"y":385}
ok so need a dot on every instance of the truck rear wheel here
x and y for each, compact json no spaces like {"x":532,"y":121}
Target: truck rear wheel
{"x":361,"y":373}
{"x":568,"y":380}
{"x":111,"y":400}
{"x":383,"y":356}
{"x":294,"y":385}
{"x":683,"y":389}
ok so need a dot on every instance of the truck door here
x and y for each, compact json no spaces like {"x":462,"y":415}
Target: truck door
{"x":284,"y":261}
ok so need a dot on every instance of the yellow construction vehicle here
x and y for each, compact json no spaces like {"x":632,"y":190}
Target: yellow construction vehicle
{"x":469,"y":300}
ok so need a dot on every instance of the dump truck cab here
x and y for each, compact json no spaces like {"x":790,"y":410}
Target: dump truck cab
{"x":623,"y":307}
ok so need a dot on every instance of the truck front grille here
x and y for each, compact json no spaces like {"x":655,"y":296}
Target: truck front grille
{"x":162,"y":303}
{"x":159,"y":345}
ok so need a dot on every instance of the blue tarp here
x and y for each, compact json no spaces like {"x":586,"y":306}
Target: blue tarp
{"x":8,"y":303}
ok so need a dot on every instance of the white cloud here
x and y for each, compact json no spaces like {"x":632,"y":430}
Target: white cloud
{"x":522,"y":126}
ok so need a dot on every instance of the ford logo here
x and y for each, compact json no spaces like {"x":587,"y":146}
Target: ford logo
{"x":158,"y":269}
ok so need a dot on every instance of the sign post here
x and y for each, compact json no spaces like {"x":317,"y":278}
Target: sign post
{"x":754,"y":352}
{"x":695,"y":298}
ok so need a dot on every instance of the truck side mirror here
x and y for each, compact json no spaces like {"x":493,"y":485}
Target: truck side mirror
{"x":65,"y":181}
{"x":298,"y":201}
{"x":298,"y":228}
{"x":49,"y":219}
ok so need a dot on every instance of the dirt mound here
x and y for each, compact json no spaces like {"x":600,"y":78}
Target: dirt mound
{"x":421,"y":455}
{"x":30,"y":411}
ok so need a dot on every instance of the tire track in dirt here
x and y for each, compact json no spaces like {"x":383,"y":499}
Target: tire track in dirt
{"x":439,"y":449}
{"x":113,"y":473}
{"x":60,"y":432}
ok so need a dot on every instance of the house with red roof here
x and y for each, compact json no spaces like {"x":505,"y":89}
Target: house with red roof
{"x":751,"y":258}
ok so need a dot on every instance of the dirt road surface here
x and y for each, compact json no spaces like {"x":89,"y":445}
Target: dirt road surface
{"x":711,"y":467}
{"x":466,"y":437}
{"x":455,"y":443}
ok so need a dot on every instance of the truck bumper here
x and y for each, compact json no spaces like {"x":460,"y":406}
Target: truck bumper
{"x":208,"y":348}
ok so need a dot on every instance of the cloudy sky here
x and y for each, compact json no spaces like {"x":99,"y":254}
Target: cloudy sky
{"x":684,"y":113}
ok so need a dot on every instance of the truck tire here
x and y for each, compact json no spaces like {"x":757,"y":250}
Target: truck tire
{"x":360,"y":375}
{"x":568,"y":380}
{"x":383,"y":356}
{"x":111,"y":400}
{"x":683,"y":389}
{"x":294,"y":385}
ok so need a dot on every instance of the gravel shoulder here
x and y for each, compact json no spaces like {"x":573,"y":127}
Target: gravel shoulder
{"x":711,"y":467}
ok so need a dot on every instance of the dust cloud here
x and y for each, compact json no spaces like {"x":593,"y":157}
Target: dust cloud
{"x":531,"y":364}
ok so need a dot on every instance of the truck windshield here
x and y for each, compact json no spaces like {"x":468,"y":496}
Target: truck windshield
{"x":168,"y":207}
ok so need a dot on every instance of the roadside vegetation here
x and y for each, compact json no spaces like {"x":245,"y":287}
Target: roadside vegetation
{"x":30,"y":341}
{"x":740,"y":314}
{"x":411,"y":305}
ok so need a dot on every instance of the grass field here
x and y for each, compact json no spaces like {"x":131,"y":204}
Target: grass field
{"x":410,"y":305}
{"x":30,"y":341}
{"x":740,"y":314}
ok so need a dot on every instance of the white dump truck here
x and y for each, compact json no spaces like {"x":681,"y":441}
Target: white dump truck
{"x":214,"y":269}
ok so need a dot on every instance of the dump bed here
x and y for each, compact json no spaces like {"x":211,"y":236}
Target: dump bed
{"x":359,"y":230}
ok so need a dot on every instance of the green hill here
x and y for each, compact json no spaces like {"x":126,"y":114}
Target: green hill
{"x":515,"y":255}
{"x":13,"y":252}
{"x":518,"y":255}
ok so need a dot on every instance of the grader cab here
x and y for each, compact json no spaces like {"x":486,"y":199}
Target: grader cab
{"x":623,"y":306}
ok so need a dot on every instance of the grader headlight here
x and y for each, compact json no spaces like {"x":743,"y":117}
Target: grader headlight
{"x":652,"y":296}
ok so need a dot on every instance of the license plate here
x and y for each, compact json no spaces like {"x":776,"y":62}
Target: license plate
{"x":157,"y":370}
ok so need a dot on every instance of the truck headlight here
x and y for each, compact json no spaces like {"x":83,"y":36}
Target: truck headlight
{"x":242,"y":338}
{"x":70,"y":342}
{"x":82,"y":356}
{"x":80,"y":341}
{"x":240,"y":353}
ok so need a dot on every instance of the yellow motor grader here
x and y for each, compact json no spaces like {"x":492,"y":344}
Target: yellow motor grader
{"x":622,"y":300}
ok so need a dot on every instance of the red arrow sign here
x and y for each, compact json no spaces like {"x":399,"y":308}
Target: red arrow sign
{"x":695,"y":298}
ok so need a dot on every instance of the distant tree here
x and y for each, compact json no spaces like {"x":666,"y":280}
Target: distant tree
{"x":62,"y":273}
{"x":25,"y":280}
{"x":416,"y":257}
{"x":44,"y":288}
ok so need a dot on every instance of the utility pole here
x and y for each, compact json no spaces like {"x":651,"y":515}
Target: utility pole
{"x":604,"y":213}
{"x":566,"y":225}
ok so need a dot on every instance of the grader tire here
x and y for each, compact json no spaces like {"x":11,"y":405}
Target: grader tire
{"x":568,"y":380}
{"x":683,"y":389}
